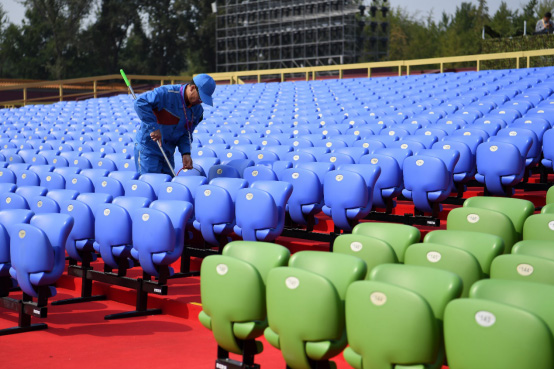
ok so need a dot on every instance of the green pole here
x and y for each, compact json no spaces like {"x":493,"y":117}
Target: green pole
{"x":127,"y":83}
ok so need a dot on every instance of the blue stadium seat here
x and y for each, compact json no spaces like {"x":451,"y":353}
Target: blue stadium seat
{"x":38,"y":251}
{"x":113,"y":229}
{"x":389,"y":184}
{"x":306,"y":199}
{"x":347,"y":198}
{"x":158,"y":234}
{"x":427,"y":182}
{"x":139,"y":188}
{"x":500,"y":166}
{"x":264,"y":218}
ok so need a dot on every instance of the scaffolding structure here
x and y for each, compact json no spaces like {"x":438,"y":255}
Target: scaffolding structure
{"x":272,"y":34}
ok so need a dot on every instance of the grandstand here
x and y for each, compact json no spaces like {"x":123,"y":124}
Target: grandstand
{"x":305,"y":178}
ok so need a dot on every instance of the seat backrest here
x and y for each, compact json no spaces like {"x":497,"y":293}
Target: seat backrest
{"x":43,"y":204}
{"x":175,"y":191}
{"x":523,"y":268}
{"x":516,"y":209}
{"x":372,"y":251}
{"x":381,"y":321}
{"x":537,"y":248}
{"x":533,"y":297}
{"x":13,"y":201}
{"x":484,"y":247}
{"x":232,"y":185}
{"x":485,"y":221}
{"x":191,"y":182}
{"x":341,"y":269}
{"x":139,"y":188}
{"x":438,"y":287}
{"x":448,"y":258}
{"x":539,"y":227}
{"x":398,"y":236}
{"x":263,"y":256}
{"x":478,"y":332}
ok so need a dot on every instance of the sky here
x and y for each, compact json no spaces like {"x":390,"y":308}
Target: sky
{"x":420,"y":7}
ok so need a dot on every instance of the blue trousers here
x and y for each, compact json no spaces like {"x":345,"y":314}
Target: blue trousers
{"x":149,"y":161}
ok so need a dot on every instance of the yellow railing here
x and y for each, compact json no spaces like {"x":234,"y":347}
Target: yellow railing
{"x":399,"y":65}
{"x":95,"y":86}
{"x":87,"y":86}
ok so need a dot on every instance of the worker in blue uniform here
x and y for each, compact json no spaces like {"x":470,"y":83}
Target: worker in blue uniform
{"x":169,"y":115}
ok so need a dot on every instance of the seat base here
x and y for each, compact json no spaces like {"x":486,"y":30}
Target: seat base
{"x":26,"y":309}
{"x":137,"y":313}
{"x":406,"y":219}
{"x":23,"y":329}
{"x":250,"y":349}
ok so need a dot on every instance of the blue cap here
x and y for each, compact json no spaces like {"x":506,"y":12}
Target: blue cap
{"x":206,"y":87}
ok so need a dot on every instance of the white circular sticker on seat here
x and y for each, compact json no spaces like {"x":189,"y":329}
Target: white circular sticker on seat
{"x":333,"y":159}
{"x":145,"y":217}
{"x":485,"y":318}
{"x":207,"y":192}
{"x":255,"y":173}
{"x":229,"y":155}
{"x":296,"y":143}
{"x":134,"y":187}
{"x":374,"y":160}
{"x":434,"y":257}
{"x":70,"y":208}
{"x":295,"y":175}
{"x":513,"y":133}
{"x":249,"y":196}
{"x":420,"y":162}
{"x":493,"y":148}
{"x":264,"y":142}
{"x":22,"y":234}
{"x":169,"y":189}
{"x":404,"y":146}
{"x":48,"y":178}
{"x":39,"y":203}
{"x":292,"y":282}
{"x":200,"y":152}
{"x":366,"y":145}
{"x":219,"y":171}
{"x":296,"y":157}
{"x":524,"y":269}
{"x":325,"y":132}
{"x":222,"y":269}
{"x":428,"y":133}
{"x":472,"y":218}
{"x":378,"y":298}
{"x":8,"y":200}
{"x":329,"y":144}
{"x":339,"y":177}
{"x":356,"y":132}
{"x":356,"y":246}
{"x":446,"y":147}
{"x":391,"y":133}
{"x":107,"y":212}
{"x":551,"y":225}
{"x":467,"y":133}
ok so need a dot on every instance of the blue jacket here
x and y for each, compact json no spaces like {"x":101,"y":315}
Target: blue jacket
{"x":162,"y":108}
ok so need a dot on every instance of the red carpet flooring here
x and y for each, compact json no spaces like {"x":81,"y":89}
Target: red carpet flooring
{"x":79,"y":337}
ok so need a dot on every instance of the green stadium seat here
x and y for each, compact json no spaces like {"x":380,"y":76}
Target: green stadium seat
{"x":233,"y":295}
{"x":448,"y":258}
{"x":539,"y":227}
{"x":394,"y":320}
{"x":550,"y":195}
{"x":471,"y":342}
{"x":517,"y":210}
{"x":484,"y":247}
{"x":305,"y":306}
{"x":373,"y":251}
{"x":548,"y":208}
{"x":485,"y":221}
{"x":484,"y":334}
{"x":537,"y":248}
{"x":523,"y":268}
{"x":398,"y":236}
